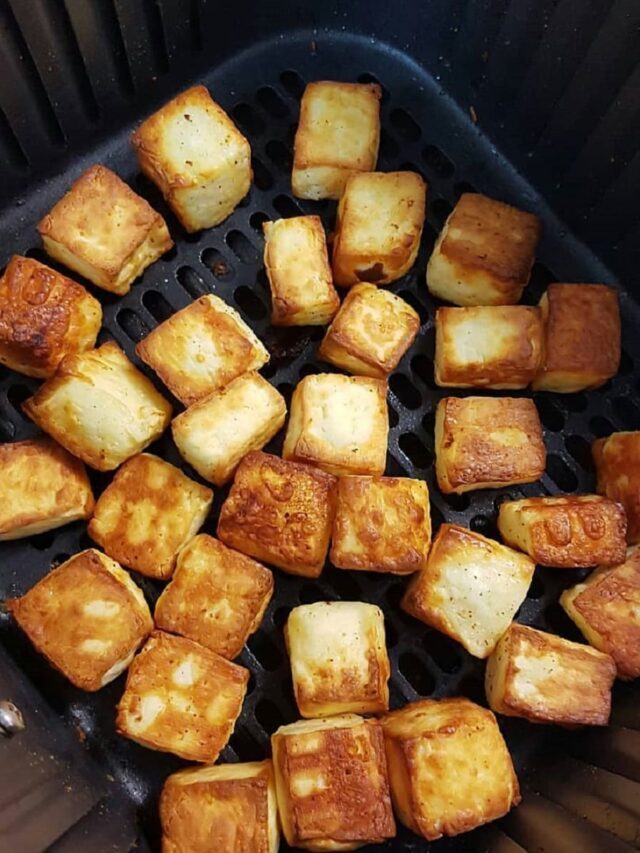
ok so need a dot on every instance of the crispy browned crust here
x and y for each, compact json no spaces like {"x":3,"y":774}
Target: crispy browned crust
{"x":617,"y":461}
{"x":571,"y":532}
{"x":87,"y":206}
{"x":213,"y":579}
{"x":489,"y":236}
{"x":487,"y":442}
{"x":514,"y":367}
{"x":223,"y":815}
{"x":382,"y":525}
{"x":41,"y":484}
{"x":609,"y":604}
{"x":197,"y":733}
{"x":280,"y":513}
{"x":51,"y":614}
{"x":44,"y":316}
{"x":355,"y":805}
{"x":436,"y":789}
{"x":147,"y":513}
{"x":584,"y":677}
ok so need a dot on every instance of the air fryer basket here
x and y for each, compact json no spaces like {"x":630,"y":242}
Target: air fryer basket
{"x":90,"y":69}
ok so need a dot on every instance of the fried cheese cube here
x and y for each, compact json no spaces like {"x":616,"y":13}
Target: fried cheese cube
{"x":449,"y":767}
{"x":484,"y":253}
{"x":297,"y":264}
{"x":280,"y":513}
{"x":487,"y":442}
{"x":41,"y":487}
{"x":606,"y":608}
{"x":214,"y":434}
{"x":332,"y":784}
{"x":100,"y":407}
{"x":181,"y":698}
{"x":87,"y":618}
{"x":230,"y":808}
{"x":44,"y":316}
{"x":338,"y":135}
{"x":489,"y":346}
{"x":471,"y":588}
{"x":547,"y":679}
{"x":581,"y":337}
{"x":382,"y":524}
{"x":370,"y":333}
{"x":571,"y":531}
{"x":202,"y":348}
{"x":339,"y":660}
{"x":216,"y":597}
{"x":104,"y":231}
{"x":197,"y":157}
{"x":617,"y":461}
{"x":147,"y":513}
{"x":378,"y":227}
{"x":339,"y":423}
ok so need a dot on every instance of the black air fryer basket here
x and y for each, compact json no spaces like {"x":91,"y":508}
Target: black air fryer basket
{"x":536,"y":102}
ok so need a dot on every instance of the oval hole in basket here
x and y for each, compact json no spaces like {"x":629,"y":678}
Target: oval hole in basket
{"x":242,"y":248}
{"x":157,"y":305}
{"x":550,"y":415}
{"x":269,"y":716}
{"x":191,"y":281}
{"x":286,"y":206}
{"x":371,"y":78}
{"x":216,"y":262}
{"x":463,"y":187}
{"x":245,"y":745}
{"x":561,"y":474}
{"x":257,"y":220}
{"x":389,"y":148}
{"x":403,"y":389}
{"x":443,"y":652}
{"x":132,"y":325}
{"x":440,"y":210}
{"x":279,"y":154}
{"x":416,"y":673}
{"x":292,"y":82}
{"x":601,"y":427}
{"x":580,"y":450}
{"x":536,"y":590}
{"x":43,"y":541}
{"x":271,"y":102}
{"x":262,"y":177}
{"x":17,"y":394}
{"x":418,"y":454}
{"x":437,"y":161}
{"x":247,"y":118}
{"x":458,"y":503}
{"x":405,"y":125}
{"x":394,"y":418}
{"x":249,"y":303}
{"x":627,"y":411}
{"x":264,"y":649}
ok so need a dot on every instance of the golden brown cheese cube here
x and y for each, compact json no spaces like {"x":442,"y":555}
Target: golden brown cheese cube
{"x":197,"y":157}
{"x":214,"y":434}
{"x":487,"y":442}
{"x":297,"y":264}
{"x":382,"y":524}
{"x":378,"y":227}
{"x":280,"y":513}
{"x":338,"y":134}
{"x":41,"y":487}
{"x":487,"y":346}
{"x":181,"y":698}
{"x":606,"y":608}
{"x":484,"y":253}
{"x":332,"y":784}
{"x":87,"y":618}
{"x":581,"y":337}
{"x":147,"y":513}
{"x":449,"y":767}
{"x":216,"y":597}
{"x":230,"y":808}
{"x":573,"y":531}
{"x":339,"y":423}
{"x":617,"y":461}
{"x":44,"y":316}
{"x":100,"y":407}
{"x":471,"y":588}
{"x":202,"y":348}
{"x":104,"y":231}
{"x":339,"y":660}
{"x":547,"y":679}
{"x":370,"y":333}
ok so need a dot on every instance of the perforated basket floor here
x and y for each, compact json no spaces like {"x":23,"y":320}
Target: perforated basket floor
{"x":423,"y":131}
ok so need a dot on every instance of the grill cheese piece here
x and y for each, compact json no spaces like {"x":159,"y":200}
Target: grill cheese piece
{"x":181,"y":698}
{"x":87,"y":617}
{"x":104,"y":231}
{"x":339,"y":659}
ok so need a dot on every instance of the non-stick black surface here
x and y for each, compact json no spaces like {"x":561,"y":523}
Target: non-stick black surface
{"x":425,"y":131}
